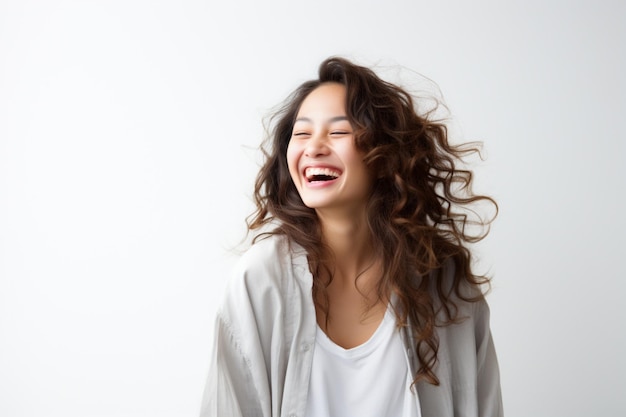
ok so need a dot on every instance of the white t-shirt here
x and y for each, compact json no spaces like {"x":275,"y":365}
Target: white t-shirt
{"x":372,"y":379}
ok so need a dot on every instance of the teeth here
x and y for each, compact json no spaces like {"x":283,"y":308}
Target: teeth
{"x":327,"y":172}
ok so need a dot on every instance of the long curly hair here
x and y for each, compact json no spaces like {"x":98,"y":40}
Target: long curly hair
{"x":420,"y":212}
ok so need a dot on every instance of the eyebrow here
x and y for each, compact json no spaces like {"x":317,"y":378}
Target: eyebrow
{"x":331,"y":120}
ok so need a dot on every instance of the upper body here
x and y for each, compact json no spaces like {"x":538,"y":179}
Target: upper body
{"x":370,"y":217}
{"x":265,"y":338}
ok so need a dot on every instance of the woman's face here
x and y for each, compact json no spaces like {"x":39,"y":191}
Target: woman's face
{"x":324,"y":164}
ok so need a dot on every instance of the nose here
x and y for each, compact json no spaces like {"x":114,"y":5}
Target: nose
{"x":316,"y":146}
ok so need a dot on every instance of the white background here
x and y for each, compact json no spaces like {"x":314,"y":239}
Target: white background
{"x":127,"y":154}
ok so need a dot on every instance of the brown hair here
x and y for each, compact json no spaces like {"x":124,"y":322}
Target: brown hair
{"x":418,"y":212}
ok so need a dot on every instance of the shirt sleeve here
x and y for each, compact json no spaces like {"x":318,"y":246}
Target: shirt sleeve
{"x":488,"y":375}
{"x":230,"y":389}
{"x":248,"y":365}
{"x":238,"y":383}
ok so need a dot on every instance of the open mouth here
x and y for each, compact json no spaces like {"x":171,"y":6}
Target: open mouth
{"x":321,"y":174}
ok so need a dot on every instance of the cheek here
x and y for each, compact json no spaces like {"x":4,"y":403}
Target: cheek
{"x":292,"y":160}
{"x":355,"y":159}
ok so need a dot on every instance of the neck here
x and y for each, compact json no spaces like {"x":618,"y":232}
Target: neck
{"x":350,"y":242}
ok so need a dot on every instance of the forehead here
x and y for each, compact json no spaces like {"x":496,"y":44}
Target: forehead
{"x":325,"y":99}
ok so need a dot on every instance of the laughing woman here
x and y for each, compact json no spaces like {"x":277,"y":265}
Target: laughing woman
{"x":357,"y":297}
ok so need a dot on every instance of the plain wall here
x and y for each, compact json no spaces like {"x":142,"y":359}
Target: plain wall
{"x":128,"y":136}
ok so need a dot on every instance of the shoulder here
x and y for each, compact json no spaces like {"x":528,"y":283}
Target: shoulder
{"x":457,"y":300}
{"x":268,"y":293}
{"x":270,"y":270}
{"x":271,"y":259}
{"x":454,"y":283}
{"x":266,"y":253}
